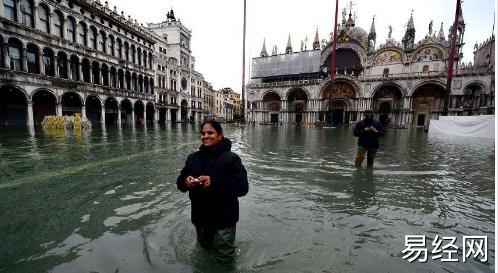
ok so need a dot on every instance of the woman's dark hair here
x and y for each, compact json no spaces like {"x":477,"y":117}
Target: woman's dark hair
{"x":216,"y":125}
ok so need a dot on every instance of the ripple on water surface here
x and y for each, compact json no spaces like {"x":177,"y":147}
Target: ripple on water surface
{"x":106,"y":201}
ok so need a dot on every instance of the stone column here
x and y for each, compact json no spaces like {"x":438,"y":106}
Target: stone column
{"x":36,"y":17}
{"x":18,"y":10}
{"x":6,"y":57}
{"x":119,"y":115}
{"x":92,"y":80}
{"x":102,"y":116}
{"x":24,"y":60}
{"x":132,"y":116}
{"x":145,"y":115}
{"x":156,"y":116}
{"x":80,"y":71}
{"x":56,"y":66}
{"x":41,"y":67}
{"x":31,"y":121}
{"x":83,"y":111}
{"x":167,"y":117}
{"x":59,"y":109}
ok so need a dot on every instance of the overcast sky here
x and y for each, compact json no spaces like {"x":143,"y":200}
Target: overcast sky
{"x":217,"y":25}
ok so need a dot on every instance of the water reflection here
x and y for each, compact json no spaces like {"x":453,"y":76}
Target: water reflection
{"x":106,"y":201}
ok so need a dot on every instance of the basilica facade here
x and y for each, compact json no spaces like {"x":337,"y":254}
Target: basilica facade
{"x":404,"y":81}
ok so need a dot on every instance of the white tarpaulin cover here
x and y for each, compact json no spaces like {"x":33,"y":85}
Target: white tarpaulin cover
{"x":286,"y":64}
{"x":465,"y":126}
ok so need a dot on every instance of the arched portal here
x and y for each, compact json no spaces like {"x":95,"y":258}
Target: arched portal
{"x":473,"y":97}
{"x":44,"y":104}
{"x":111,"y":111}
{"x":93,"y":109}
{"x":139,"y":112}
{"x":150,"y":112}
{"x":427,"y":99}
{"x":13,"y":107}
{"x":272,"y":104}
{"x":297,"y":100}
{"x":347,"y":62}
{"x":184,"y":110}
{"x":71,"y":103}
{"x":387,"y":99}
{"x":126,"y":112}
{"x":343,"y":91}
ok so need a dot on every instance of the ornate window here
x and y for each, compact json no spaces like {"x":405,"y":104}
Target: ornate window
{"x":32,"y":59}
{"x":62,"y":60}
{"x":43,"y":17}
{"x":48,"y":57}
{"x":110,"y":45}
{"x":93,"y":38}
{"x":82,"y":33}
{"x":71,"y":35}
{"x":119,"y":48}
{"x":58,"y":24}
{"x":27,"y":13}
{"x":15,"y":55}
{"x":102,"y":41}
{"x":10,"y":11}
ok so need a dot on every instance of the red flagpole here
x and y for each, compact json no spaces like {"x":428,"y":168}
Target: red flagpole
{"x":243,"y":106}
{"x":334,"y":41}
{"x":451,"y":60}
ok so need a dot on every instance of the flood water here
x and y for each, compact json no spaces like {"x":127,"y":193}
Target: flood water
{"x":106,"y":201}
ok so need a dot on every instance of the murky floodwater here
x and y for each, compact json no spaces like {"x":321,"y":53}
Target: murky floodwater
{"x":106,"y":201}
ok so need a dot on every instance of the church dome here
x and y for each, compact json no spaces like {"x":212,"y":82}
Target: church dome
{"x":358,"y":34}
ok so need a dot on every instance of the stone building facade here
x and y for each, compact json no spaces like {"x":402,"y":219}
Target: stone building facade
{"x":64,"y":57}
{"x":404,"y":82}
{"x":185,"y":84}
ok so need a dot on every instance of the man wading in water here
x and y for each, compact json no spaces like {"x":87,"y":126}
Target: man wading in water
{"x":368,"y":132}
{"x":215,"y":178}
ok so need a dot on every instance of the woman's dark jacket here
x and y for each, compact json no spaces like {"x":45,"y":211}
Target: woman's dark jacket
{"x":216,"y":206}
{"x":368,"y":139}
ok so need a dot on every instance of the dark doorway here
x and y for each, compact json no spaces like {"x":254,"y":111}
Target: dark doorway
{"x":93,"y":109}
{"x":13,"y":107}
{"x":421,"y":120}
{"x":111,"y":111}
{"x":44,"y":104}
{"x":337,"y":116}
{"x":173,"y":115}
{"x":274,"y":118}
{"x":71,"y":104}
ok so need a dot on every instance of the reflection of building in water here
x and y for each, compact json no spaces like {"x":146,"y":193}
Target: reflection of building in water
{"x":402,"y":81}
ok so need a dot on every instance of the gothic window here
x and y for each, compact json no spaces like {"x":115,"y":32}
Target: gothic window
{"x":10,"y":11}
{"x":62,"y":61}
{"x":386,"y":72}
{"x":70,"y":29}
{"x":82,"y":33}
{"x":139,"y":56}
{"x":96,"y":72}
{"x":133,"y":59}
{"x":110,"y":45}
{"x":102,"y":42}
{"x":93,"y":37}
{"x":32,"y":59}
{"x":27,"y":13}
{"x":127,"y":51}
{"x":74,"y":65}
{"x":15,"y":55}
{"x":119,"y":48}
{"x":58,"y":24}
{"x":86,"y":70}
{"x":48,"y":57}
{"x":43,"y":17}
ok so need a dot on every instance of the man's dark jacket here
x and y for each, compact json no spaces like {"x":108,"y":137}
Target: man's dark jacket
{"x":368,"y":139}
{"x":216,"y":206}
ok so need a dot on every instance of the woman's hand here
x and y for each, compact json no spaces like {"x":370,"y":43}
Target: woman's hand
{"x":206,"y":180}
{"x":189,"y":182}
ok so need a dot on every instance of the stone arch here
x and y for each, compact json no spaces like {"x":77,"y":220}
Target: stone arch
{"x":127,"y":111}
{"x":32,"y":58}
{"x":13,"y":106}
{"x":111,"y":106}
{"x":44,"y":104}
{"x":297,"y":99}
{"x":271,"y":91}
{"x":429,"y":53}
{"x":15,"y":51}
{"x":418,"y":85}
{"x":71,"y":102}
{"x":389,"y":56}
{"x":390,"y":83}
{"x":272,"y":101}
{"x":481,"y":84}
{"x":93,"y":106}
{"x":58,"y":19}
{"x":351,"y":93}
{"x":150,"y":111}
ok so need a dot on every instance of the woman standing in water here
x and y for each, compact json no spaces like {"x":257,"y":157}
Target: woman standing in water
{"x":215,"y":178}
